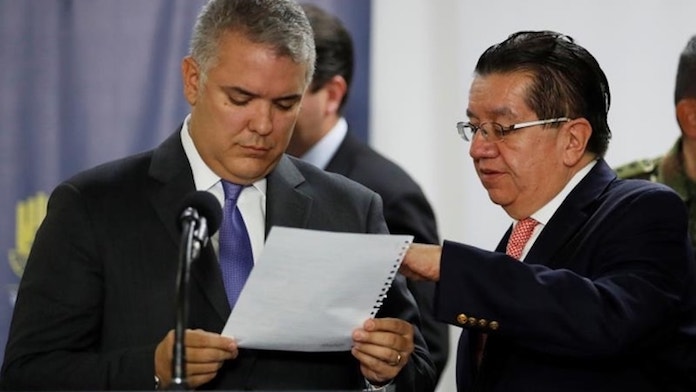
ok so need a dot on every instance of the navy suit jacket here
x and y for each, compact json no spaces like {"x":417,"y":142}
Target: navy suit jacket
{"x":98,"y":292}
{"x":605,"y":300}
{"x":406,"y":211}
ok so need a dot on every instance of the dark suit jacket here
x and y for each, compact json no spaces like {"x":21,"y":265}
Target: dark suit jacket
{"x":604,"y":301}
{"x":406,"y":211}
{"x":98,"y":291}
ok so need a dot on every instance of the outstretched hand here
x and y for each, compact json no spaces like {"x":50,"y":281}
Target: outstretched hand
{"x":422,"y":262}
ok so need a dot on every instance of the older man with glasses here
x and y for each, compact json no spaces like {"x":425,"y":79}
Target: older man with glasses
{"x":593,"y":287}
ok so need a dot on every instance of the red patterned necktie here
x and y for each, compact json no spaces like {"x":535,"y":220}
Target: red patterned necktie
{"x":521,"y":234}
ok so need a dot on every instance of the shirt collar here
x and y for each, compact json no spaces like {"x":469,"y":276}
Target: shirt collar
{"x":321,"y":153}
{"x":544,"y":214}
{"x":203,"y":177}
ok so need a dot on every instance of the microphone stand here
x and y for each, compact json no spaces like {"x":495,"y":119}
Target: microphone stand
{"x":193,"y":238}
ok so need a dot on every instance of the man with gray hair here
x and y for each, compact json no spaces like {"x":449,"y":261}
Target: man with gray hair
{"x":95,"y":308}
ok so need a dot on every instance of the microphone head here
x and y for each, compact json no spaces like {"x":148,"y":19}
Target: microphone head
{"x":207,"y":206}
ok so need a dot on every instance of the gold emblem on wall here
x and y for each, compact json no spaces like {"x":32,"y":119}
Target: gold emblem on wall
{"x":29,"y":215}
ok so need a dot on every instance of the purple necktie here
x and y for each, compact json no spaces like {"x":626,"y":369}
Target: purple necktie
{"x":236,"y":258}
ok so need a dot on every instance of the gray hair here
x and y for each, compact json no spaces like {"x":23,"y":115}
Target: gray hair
{"x":281,"y":24}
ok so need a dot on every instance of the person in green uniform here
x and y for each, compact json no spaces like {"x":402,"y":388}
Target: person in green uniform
{"x":677,"y":168}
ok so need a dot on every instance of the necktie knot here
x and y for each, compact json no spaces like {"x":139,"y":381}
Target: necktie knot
{"x":232,"y":190}
{"x":521,"y":233}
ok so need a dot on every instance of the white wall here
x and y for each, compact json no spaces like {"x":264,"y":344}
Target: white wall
{"x":423,"y":55}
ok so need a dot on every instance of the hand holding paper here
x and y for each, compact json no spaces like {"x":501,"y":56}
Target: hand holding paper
{"x":311,"y":289}
{"x":383,"y":347}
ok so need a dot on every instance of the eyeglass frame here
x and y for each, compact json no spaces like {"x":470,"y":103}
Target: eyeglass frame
{"x":504,"y":131}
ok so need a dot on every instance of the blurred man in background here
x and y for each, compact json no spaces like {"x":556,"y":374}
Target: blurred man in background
{"x":322,"y":137}
{"x":677,"y":168}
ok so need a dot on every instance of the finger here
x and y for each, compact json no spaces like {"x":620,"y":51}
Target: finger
{"x":391,"y":325}
{"x":397,"y":360}
{"x":375,"y":369}
{"x":385,"y":355}
{"x":380,"y":344}
{"x":199,"y":379}
{"x":208,"y":355}
{"x":387,"y":333}
{"x":205,"y":355}
{"x":200,"y":338}
{"x":202,"y":369}
{"x":206,"y":347}
{"x":409,"y":273}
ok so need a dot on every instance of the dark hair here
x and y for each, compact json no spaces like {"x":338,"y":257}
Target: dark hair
{"x":685,"y":86}
{"x":567,"y":81}
{"x":281,"y":24}
{"x":334,"y":47}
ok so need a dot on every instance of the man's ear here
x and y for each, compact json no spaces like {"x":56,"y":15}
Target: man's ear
{"x":578,"y":131}
{"x":336,"y":89}
{"x":686,"y":116}
{"x":191,"y":76}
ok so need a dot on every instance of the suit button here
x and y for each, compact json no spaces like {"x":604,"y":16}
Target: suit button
{"x":493,"y":325}
{"x":483,"y":323}
{"x":461,"y":318}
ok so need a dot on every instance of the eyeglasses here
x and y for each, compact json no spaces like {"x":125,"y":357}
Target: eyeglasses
{"x":494,"y":132}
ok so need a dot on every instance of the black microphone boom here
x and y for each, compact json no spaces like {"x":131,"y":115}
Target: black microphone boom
{"x":199,"y":219}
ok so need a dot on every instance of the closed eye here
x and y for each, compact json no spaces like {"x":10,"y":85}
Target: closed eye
{"x":287,"y":104}
{"x":239,"y":102}
{"x":239,"y":97}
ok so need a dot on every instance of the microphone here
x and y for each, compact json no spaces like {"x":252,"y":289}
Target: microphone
{"x":199,"y":219}
{"x":200,"y":212}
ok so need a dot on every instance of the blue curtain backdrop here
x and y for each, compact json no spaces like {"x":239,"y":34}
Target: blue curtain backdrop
{"x":87,"y":81}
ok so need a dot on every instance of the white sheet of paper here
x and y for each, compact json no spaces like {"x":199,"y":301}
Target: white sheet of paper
{"x":311,"y":289}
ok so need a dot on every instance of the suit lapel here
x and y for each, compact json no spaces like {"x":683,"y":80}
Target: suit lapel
{"x":286,"y":202}
{"x":558,"y":235}
{"x":173,"y":182}
{"x":343,"y":160}
{"x":206,"y":273}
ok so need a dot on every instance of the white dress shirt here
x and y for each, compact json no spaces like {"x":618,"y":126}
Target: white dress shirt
{"x":251,"y":202}
{"x":321,"y":153}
